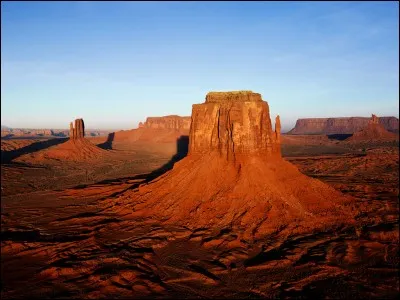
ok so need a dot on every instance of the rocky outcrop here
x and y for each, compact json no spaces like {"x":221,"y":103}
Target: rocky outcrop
{"x":374,"y":120}
{"x":167,"y":122}
{"x":78,"y":131}
{"x":234,"y":177}
{"x":278,"y":129}
{"x":340,"y":125}
{"x":372,"y":132}
{"x":232,"y":123}
{"x":166,"y":129}
{"x":76,"y":148}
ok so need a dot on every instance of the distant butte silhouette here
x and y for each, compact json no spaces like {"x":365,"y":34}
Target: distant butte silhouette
{"x":234,"y":176}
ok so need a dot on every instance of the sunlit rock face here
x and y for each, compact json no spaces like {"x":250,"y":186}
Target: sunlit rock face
{"x":233,"y":123}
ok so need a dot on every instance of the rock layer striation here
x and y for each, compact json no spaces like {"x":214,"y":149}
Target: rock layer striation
{"x":233,"y":123}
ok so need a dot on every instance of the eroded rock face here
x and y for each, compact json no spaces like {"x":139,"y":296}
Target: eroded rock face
{"x":167,"y":122}
{"x":77,"y":132}
{"x":340,"y":125}
{"x":232,"y":123}
{"x":234,"y":177}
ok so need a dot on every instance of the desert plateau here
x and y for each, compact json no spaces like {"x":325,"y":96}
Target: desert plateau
{"x":200,"y":150}
{"x":217,"y":205}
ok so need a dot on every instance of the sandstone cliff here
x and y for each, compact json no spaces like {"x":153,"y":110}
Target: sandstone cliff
{"x":168,"y":122}
{"x":234,"y":176}
{"x":232,"y":123}
{"x":78,"y":131}
{"x":156,"y":129}
{"x":340,"y":125}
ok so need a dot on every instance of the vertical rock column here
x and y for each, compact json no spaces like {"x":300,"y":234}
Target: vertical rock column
{"x":77,"y":132}
{"x":374,"y":119}
{"x":71,"y":130}
{"x":278,"y":129}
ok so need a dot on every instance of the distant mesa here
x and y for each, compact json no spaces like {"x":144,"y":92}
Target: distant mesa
{"x":156,"y":129}
{"x":350,"y":125}
{"x":234,"y":176}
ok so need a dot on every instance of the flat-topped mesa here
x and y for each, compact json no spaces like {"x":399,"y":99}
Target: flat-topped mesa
{"x":235,"y":96}
{"x":233,"y":123}
{"x":168,"y":122}
{"x":77,"y":132}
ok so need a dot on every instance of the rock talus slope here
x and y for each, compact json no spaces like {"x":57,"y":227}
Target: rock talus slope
{"x":234,"y":176}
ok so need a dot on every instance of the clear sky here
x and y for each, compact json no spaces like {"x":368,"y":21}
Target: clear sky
{"x":116,"y":63}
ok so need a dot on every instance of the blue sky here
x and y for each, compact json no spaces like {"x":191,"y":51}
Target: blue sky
{"x":115,"y":63}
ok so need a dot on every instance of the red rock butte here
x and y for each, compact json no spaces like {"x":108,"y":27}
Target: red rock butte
{"x":373,"y":131}
{"x":234,"y":175}
{"x":233,"y":123}
{"x":77,"y":132}
{"x":77,"y":148}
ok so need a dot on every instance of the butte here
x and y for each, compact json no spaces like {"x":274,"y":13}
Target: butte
{"x":77,"y":148}
{"x":374,"y":131}
{"x":235,"y":177}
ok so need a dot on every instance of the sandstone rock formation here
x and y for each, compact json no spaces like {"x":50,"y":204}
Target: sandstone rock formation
{"x":156,"y":129}
{"x":234,"y":176}
{"x":374,"y":120}
{"x":77,"y":132}
{"x":372,"y":132}
{"x":77,"y":148}
{"x":278,"y":129}
{"x":168,"y":122}
{"x":340,"y":125}
{"x":233,"y":123}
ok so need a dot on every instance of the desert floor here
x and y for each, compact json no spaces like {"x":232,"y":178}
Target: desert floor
{"x":60,"y":240}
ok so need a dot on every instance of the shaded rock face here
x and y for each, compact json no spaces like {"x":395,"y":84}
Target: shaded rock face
{"x":167,"y":122}
{"x":340,"y":125}
{"x":233,"y":123}
{"x":77,"y":132}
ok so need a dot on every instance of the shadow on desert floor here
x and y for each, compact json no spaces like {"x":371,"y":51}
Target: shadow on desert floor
{"x":182,"y":146}
{"x":8,"y":156}
{"x":107,"y":145}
